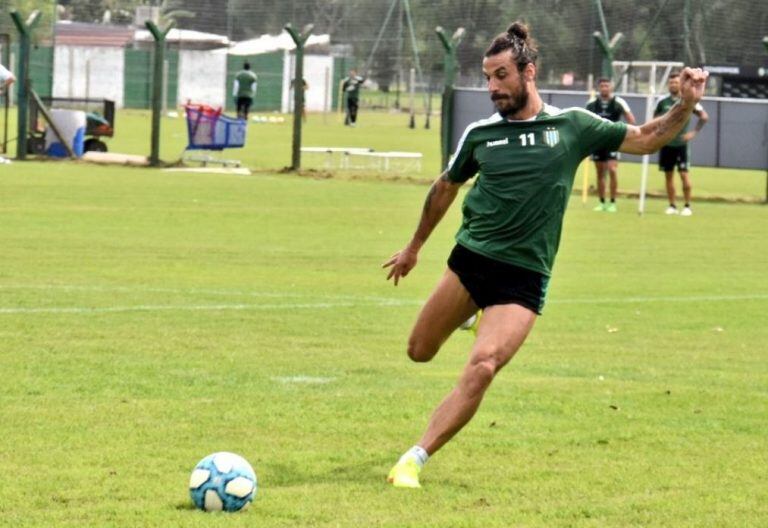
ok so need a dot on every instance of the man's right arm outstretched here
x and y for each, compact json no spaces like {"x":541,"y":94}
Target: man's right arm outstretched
{"x":438,"y":200}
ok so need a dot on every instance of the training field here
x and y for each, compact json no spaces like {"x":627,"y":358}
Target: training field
{"x":150,"y":318}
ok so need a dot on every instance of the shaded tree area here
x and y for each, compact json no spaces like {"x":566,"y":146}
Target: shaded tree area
{"x":692,"y":31}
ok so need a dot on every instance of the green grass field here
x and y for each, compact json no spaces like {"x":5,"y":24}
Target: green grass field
{"x":269,"y":149}
{"x":150,"y":318}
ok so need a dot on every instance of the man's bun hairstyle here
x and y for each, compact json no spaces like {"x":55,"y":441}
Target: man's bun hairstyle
{"x":517,"y":39}
{"x":519,"y":30}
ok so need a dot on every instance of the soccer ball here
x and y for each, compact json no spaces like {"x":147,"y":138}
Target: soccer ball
{"x":222,"y":481}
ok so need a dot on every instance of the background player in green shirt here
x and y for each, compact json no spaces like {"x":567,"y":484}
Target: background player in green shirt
{"x":676,"y":153}
{"x":351,"y":88}
{"x":244,"y":90}
{"x":613,"y":108}
{"x":525,"y":157}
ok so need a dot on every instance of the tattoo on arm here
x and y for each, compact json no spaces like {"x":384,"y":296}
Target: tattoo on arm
{"x":671,"y":122}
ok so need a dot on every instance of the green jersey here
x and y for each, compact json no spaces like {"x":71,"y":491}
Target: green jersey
{"x":612,"y":109}
{"x":514,"y":212}
{"x":245,"y":84}
{"x":664,"y":106}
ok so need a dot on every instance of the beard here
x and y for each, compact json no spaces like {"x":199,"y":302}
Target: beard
{"x":508,"y":105}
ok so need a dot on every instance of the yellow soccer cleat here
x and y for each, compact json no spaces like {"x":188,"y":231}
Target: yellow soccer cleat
{"x":405,"y":475}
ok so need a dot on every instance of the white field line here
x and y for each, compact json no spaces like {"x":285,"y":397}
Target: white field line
{"x":326,"y":301}
{"x":197,"y":307}
{"x":195,"y":291}
{"x":308,"y":380}
{"x":663,"y":299}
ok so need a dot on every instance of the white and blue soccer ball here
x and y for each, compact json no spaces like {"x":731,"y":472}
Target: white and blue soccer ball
{"x":222,"y":482}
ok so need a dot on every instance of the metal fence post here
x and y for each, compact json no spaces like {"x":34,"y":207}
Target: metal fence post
{"x":25,"y":48}
{"x":157,"y":87}
{"x":298,"y":89}
{"x":446,"y":110}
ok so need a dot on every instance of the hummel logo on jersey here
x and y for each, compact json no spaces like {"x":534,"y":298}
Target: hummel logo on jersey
{"x":551,"y":137}
{"x":497,"y":143}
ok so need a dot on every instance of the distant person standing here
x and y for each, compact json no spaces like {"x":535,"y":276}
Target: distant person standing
{"x":244,"y":90}
{"x":351,"y":88}
{"x":676,"y":152}
{"x":613,"y":108}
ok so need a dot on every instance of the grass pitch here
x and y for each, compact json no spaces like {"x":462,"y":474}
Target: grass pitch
{"x":148,"y":319}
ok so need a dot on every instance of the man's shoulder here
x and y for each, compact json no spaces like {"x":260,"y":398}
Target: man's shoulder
{"x":475,"y":130}
{"x":572,"y":113}
{"x":484,"y":123}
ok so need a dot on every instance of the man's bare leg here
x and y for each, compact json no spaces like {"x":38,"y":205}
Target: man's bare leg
{"x":502,"y":331}
{"x":448,"y":307}
{"x":612,"y":174}
{"x":600,"y":169}
{"x":687,"y":188}
{"x":670,"y":177}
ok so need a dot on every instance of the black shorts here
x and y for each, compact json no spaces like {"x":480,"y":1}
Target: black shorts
{"x":671,"y":157}
{"x":604,"y":155}
{"x":490,"y":282}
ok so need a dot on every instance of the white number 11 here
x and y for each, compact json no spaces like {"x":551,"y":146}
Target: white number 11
{"x":527,"y":139}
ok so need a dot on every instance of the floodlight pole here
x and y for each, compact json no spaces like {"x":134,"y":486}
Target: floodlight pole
{"x":449,"y":67}
{"x":607,"y":44}
{"x":157,"y":86}
{"x":298,"y":89}
{"x":25,"y":47}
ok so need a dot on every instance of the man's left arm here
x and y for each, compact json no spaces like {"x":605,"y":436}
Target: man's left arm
{"x":654,"y":134}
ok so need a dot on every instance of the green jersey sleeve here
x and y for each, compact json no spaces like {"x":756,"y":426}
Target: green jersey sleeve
{"x":463,"y":164}
{"x":596,"y":133}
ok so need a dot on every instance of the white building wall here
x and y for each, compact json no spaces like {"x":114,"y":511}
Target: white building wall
{"x":318,"y":72}
{"x":95,"y":72}
{"x":202,"y":77}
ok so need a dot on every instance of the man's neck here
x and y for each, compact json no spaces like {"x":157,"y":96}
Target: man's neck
{"x":531,"y":108}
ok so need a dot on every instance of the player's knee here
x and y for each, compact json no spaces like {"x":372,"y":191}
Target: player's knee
{"x":420,"y":351}
{"x":482,"y":368}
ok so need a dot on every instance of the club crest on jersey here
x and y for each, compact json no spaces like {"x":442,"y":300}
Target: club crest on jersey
{"x":551,"y":137}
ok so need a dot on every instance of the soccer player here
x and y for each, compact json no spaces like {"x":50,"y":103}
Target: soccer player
{"x":244,"y":90}
{"x":612,"y":108}
{"x":525,"y":156}
{"x":675,"y":153}
{"x":351,"y":88}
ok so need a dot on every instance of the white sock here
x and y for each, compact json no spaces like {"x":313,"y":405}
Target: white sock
{"x":418,"y":454}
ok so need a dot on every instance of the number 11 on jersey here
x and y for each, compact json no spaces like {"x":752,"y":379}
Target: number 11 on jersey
{"x":527,"y":139}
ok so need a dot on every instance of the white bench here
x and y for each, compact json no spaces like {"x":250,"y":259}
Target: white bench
{"x":383,"y":160}
{"x":329,"y":152}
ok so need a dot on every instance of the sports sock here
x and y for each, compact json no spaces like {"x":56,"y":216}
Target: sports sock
{"x":613,"y":200}
{"x":417,"y":453}
{"x":602,"y":200}
{"x":687,"y":204}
